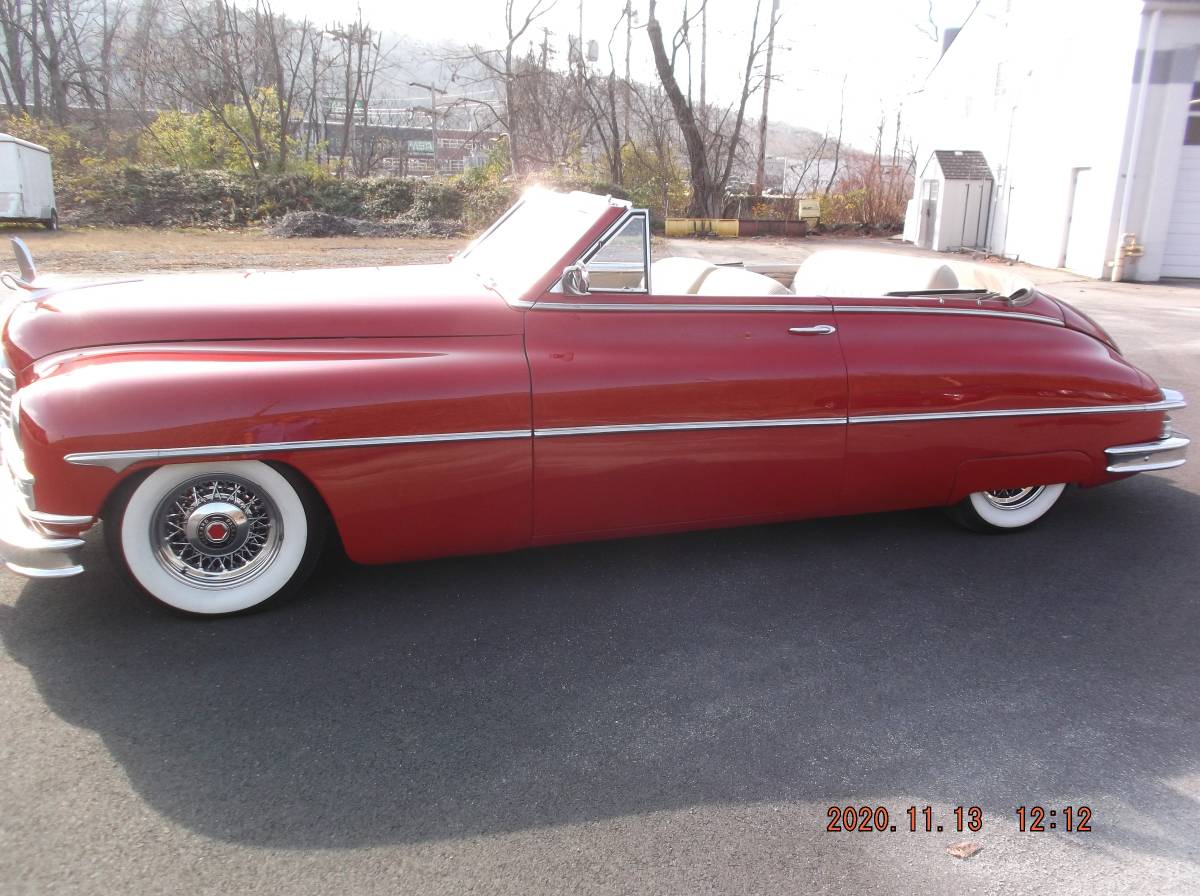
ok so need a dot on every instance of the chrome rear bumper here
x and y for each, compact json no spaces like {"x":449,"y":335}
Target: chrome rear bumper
{"x":1161,"y":455}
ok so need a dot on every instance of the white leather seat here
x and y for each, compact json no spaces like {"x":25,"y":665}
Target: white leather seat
{"x":740,"y":282}
{"x":854,"y":272}
{"x":678,"y":275}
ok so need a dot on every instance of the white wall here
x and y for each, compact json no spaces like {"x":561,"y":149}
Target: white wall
{"x":1041,"y":89}
{"x":1176,"y":48}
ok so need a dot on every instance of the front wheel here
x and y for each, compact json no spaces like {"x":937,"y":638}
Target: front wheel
{"x":219,"y":538}
{"x":1006,"y":509}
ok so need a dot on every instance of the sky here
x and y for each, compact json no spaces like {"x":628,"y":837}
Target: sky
{"x":876,"y":48}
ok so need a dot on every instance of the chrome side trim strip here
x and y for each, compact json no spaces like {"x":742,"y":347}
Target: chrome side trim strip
{"x":668,"y":306}
{"x":1164,"y":405}
{"x":782,"y":309}
{"x":119,"y":460}
{"x":964,"y":312}
{"x":674,"y":427}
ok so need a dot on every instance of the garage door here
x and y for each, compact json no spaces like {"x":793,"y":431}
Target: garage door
{"x":1182,"y":257}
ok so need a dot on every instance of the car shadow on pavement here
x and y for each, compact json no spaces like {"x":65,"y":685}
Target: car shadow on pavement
{"x":827,"y":661}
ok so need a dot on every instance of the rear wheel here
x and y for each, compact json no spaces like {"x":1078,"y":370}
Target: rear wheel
{"x":214,"y":539}
{"x":52,"y":222}
{"x":1007,"y":509}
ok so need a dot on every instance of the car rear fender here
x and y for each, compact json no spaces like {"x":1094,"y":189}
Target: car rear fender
{"x":1018,"y":471}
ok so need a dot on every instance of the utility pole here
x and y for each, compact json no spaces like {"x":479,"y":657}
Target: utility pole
{"x":760,"y":175}
{"x":433,"y":92}
{"x":704,"y":54}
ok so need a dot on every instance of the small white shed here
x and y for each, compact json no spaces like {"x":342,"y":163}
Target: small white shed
{"x":953,"y":201}
{"x":26,"y":182}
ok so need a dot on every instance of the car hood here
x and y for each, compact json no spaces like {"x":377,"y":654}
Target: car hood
{"x":413,"y":300}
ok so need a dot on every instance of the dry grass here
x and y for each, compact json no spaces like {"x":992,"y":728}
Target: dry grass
{"x":143,"y":250}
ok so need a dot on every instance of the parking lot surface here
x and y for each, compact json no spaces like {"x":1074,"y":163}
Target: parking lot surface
{"x":667,"y":715}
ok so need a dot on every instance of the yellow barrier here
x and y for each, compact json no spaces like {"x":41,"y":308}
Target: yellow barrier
{"x":690,"y":226}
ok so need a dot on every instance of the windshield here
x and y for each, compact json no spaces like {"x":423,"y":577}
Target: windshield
{"x":532,"y":237}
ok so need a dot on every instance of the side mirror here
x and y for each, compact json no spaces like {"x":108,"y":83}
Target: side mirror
{"x":575,"y":280}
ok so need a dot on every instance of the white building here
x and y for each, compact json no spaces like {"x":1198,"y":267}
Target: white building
{"x":1089,"y":149}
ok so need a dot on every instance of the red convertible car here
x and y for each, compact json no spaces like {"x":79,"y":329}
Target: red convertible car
{"x":549,"y":384}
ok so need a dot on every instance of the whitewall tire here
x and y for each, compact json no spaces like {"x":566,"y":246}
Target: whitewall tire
{"x":1004,"y":510}
{"x":217,"y":538}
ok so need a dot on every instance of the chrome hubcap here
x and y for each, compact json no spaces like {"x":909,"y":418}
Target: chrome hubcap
{"x":1013,"y":498}
{"x":216,"y":531}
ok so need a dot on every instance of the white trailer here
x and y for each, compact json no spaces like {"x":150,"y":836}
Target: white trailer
{"x":26,"y":183}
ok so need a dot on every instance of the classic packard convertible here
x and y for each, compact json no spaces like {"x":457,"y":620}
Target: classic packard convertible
{"x":549,"y":384}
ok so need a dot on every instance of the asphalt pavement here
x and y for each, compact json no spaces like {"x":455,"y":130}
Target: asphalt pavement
{"x":662,"y":715}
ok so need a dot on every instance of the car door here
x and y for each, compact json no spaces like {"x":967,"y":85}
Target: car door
{"x":656,"y":412}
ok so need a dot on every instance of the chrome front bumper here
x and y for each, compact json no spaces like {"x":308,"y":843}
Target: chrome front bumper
{"x":27,"y":550}
{"x":1161,"y":455}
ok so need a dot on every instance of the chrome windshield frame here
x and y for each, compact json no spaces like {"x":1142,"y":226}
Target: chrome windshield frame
{"x":604,"y":239}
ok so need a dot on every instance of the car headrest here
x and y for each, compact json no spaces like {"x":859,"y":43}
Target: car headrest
{"x":740,"y":282}
{"x":857,"y":272}
{"x":679,"y":276}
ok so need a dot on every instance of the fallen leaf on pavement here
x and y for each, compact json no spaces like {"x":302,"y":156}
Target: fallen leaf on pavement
{"x":964,"y":849}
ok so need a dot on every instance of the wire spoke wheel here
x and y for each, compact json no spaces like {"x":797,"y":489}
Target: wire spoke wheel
{"x":1013,"y":498}
{"x":217,"y":537}
{"x":216,"y":531}
{"x":1006,"y":509}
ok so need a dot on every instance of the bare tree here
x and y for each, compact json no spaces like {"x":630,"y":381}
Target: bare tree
{"x":355,"y":61}
{"x":140,"y":86}
{"x":241,"y":66}
{"x":67,"y":45}
{"x":15,"y":21}
{"x":510,"y":67}
{"x":286,"y":44}
{"x":760,"y":171}
{"x":604,"y":106}
{"x":837,"y":147}
{"x":809,"y":162}
{"x":711,"y":150}
{"x":41,"y":34}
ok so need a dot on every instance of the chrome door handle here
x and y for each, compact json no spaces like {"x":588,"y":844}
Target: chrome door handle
{"x":819,"y":330}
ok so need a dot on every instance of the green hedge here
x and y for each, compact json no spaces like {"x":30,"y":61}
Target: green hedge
{"x":171,"y":197}
{"x":104,"y":193}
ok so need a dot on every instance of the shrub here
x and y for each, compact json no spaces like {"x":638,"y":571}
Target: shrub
{"x":869,"y":196}
{"x":202,"y":140}
{"x":387,"y":197}
{"x":659,"y":185}
{"x":438,"y":200}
